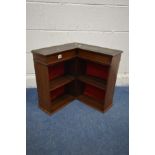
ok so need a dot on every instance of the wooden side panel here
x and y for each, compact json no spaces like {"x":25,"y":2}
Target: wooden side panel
{"x":111,"y":81}
{"x":75,"y":83}
{"x":41,"y":72}
{"x":79,"y":69}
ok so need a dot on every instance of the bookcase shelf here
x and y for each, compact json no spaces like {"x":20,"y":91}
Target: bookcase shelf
{"x":75,"y":71}
{"x":58,"y":103}
{"x":93,"y":81}
{"x":91,"y":102}
{"x":61,"y":102}
{"x":60,"y":81}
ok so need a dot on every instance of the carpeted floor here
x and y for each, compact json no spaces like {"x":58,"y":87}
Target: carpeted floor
{"x":78,"y":129}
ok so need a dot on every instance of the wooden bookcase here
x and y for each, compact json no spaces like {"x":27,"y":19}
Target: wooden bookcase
{"x":75,"y":71}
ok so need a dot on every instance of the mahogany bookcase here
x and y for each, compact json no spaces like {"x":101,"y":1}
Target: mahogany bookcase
{"x":75,"y":71}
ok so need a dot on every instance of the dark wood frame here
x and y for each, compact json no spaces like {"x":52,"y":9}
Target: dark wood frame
{"x":74,"y":53}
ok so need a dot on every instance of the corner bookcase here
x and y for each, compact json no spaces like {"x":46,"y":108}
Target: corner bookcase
{"x":75,"y":71}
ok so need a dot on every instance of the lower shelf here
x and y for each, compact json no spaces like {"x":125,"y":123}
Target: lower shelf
{"x":59,"y":103}
{"x":60,"y":81}
{"x":93,"y":103}
{"x":93,"y":81}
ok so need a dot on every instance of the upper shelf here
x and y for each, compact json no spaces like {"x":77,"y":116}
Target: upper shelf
{"x":70,"y":46}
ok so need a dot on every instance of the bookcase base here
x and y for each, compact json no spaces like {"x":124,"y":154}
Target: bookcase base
{"x":100,"y":109}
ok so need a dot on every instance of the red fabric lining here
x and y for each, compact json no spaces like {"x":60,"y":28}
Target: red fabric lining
{"x":57,"y":92}
{"x":97,"y":70}
{"x":56,"y":70}
{"x":96,"y":93}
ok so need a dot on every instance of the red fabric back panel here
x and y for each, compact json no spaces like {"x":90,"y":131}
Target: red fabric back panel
{"x":94,"y":92}
{"x":57,"y":92}
{"x":97,"y":70}
{"x":56,"y":70}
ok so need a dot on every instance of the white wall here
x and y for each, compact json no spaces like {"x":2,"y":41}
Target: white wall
{"x":97,"y":22}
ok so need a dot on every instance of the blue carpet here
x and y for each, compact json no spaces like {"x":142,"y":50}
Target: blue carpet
{"x":78,"y":129}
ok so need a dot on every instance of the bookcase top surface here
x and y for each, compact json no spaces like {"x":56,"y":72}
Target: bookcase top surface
{"x":70,"y":46}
